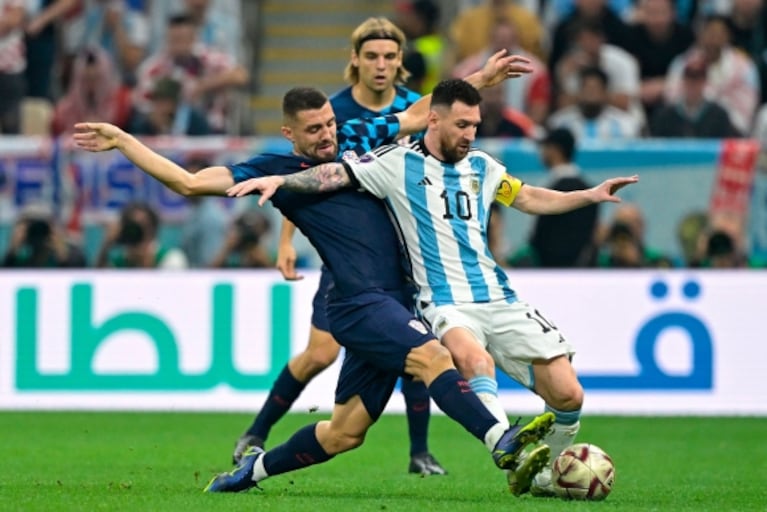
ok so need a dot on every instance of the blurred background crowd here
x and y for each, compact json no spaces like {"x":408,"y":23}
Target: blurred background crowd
{"x":604,"y":70}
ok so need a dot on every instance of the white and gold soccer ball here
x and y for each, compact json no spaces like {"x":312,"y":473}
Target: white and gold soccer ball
{"x":583,"y":472}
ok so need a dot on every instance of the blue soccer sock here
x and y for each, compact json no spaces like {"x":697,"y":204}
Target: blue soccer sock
{"x":300,"y":451}
{"x":281,"y":397}
{"x":417,"y":404}
{"x":454,"y":396}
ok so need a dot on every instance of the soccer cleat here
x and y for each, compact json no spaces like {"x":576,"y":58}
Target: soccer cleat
{"x":240,"y":478}
{"x":243,"y":443}
{"x":522,"y":477}
{"x":425,"y":464}
{"x":542,"y":486}
{"x":514,"y":440}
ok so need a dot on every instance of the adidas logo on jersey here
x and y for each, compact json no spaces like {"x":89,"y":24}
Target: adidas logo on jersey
{"x":424,"y":182}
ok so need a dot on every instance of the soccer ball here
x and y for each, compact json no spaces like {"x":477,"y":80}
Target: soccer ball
{"x":583,"y":472}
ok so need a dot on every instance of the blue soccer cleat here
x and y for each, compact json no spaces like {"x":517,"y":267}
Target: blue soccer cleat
{"x":513,"y":441}
{"x":240,"y":478}
{"x":243,"y":443}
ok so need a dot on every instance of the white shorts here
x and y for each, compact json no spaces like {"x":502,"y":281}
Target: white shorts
{"x":514,"y":334}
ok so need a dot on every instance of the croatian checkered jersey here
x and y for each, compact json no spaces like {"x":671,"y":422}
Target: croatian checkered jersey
{"x":442,"y":211}
{"x":358,"y":136}
{"x":346,"y":107}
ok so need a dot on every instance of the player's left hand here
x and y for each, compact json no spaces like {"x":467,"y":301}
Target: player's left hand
{"x":500,"y":66}
{"x":266,"y":186}
{"x":605,"y":191}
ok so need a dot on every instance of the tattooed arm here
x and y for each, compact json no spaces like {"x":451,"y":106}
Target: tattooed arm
{"x":321,"y":178}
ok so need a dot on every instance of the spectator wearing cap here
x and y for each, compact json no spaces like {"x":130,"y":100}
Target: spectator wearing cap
{"x":169,"y":114}
{"x":692,"y":115}
{"x":592,"y":117}
{"x":566,"y":240}
{"x":731,"y":76}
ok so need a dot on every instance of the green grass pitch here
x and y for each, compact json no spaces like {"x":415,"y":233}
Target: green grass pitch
{"x":159,"y":462}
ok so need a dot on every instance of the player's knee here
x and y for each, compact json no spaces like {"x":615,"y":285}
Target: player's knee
{"x":323,"y":356}
{"x":475,"y":362}
{"x":321,"y":352}
{"x":567,"y":397}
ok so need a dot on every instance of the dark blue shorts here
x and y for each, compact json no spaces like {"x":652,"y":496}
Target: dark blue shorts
{"x":320,"y":301}
{"x":378,"y":331}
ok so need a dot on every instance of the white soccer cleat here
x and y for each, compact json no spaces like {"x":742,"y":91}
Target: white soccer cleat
{"x":542,"y":487}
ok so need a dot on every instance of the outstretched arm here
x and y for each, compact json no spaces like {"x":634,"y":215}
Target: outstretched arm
{"x":96,"y":137}
{"x":498,"y":68}
{"x":544,"y":201}
{"x":320,"y":178}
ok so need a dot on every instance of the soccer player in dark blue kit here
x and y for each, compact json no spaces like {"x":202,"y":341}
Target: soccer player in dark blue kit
{"x":375,"y":74}
{"x":369,"y":305}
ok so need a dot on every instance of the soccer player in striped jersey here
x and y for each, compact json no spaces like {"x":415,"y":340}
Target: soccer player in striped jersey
{"x":369,"y":306}
{"x":375,"y":74}
{"x":440,"y":190}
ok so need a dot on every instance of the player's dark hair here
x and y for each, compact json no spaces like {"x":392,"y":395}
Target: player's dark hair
{"x":299,"y":99}
{"x":448,"y":92}
{"x":594,"y":72}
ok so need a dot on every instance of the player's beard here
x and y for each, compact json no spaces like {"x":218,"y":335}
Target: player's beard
{"x":452,"y":153}
{"x":326,"y":154}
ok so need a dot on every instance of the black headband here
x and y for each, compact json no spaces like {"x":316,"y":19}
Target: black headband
{"x":376,"y":35}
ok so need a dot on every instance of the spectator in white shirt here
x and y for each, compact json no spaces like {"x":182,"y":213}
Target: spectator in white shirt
{"x":589,"y":49}
{"x":592,"y":117}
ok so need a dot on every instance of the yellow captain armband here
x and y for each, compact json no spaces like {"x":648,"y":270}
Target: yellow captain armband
{"x":508,"y":190}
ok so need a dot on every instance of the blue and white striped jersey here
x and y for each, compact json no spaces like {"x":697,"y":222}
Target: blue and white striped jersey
{"x":442,"y":211}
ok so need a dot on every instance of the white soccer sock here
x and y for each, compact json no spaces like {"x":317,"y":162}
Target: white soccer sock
{"x":259,"y":473}
{"x":493,"y":435}
{"x":560,"y":437}
{"x":486,"y":388}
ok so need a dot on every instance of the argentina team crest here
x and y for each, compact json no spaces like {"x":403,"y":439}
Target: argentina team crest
{"x":475,"y":185}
